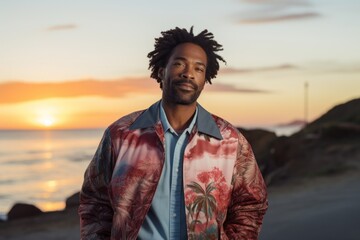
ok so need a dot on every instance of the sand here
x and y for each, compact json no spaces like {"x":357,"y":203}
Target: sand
{"x":322,"y":208}
{"x":62,"y":225}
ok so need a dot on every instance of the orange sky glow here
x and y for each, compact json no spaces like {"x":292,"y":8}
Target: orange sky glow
{"x":83,"y":64}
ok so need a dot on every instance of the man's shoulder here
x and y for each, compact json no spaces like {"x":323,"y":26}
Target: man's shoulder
{"x":124,"y":122}
{"x":223,"y":124}
{"x":227,"y":129}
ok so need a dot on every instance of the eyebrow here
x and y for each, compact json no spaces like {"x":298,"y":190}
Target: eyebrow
{"x":184,"y":59}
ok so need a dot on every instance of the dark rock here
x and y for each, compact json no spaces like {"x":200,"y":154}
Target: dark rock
{"x":261,"y":142}
{"x":341,"y":130}
{"x":23,"y":210}
{"x":72,"y":201}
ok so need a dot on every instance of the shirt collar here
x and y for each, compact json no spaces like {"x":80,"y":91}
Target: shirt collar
{"x":167,"y":126}
{"x":205,"y":122}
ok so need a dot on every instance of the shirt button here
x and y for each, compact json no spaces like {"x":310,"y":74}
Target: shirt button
{"x":177,"y":170}
{"x":174,"y":215}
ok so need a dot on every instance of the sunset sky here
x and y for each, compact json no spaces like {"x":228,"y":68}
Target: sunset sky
{"x":83,"y":64}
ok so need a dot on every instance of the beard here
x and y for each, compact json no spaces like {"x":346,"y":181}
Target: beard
{"x":176,"y":94}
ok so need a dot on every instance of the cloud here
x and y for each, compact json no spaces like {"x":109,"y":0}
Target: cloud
{"x":272,"y":11}
{"x":219,"y":87}
{"x":16,"y":92}
{"x":62,"y":27}
{"x":280,"y":2}
{"x":345,"y":69}
{"x":330,"y":67}
{"x":259,"y":69}
{"x":279,"y":18}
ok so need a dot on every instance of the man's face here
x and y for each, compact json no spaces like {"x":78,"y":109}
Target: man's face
{"x":183,"y":77}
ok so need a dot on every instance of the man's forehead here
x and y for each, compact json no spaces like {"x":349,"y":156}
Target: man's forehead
{"x":187,"y":51}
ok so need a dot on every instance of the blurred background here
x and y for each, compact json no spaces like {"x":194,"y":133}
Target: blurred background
{"x":68,"y":69}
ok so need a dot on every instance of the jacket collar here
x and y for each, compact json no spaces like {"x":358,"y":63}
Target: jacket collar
{"x":205,"y":122}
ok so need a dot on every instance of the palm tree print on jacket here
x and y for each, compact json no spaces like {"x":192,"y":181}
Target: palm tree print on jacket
{"x":206,"y":202}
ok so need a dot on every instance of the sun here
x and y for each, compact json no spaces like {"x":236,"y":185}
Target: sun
{"x":46,"y":120}
{"x":45,"y":115}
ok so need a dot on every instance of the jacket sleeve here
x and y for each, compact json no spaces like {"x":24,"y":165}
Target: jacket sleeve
{"x":248,"y":202}
{"x":95,"y":208}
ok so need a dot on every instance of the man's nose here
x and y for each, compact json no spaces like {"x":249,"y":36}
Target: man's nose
{"x":187,"y":73}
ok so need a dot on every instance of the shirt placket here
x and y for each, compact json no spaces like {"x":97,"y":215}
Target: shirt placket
{"x":176,"y":187}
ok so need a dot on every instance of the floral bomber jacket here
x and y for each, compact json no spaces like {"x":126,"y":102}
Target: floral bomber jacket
{"x":225,"y":194}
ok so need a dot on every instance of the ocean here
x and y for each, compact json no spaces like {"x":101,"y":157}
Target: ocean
{"x":44,"y":167}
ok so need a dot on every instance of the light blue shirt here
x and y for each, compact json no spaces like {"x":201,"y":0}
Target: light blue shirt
{"x":166,"y":217}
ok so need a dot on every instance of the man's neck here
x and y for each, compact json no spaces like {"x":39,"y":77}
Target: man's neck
{"x":179,"y":116}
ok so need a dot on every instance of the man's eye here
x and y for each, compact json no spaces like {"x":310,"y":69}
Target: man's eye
{"x":177,"y":64}
{"x":200,"y":69}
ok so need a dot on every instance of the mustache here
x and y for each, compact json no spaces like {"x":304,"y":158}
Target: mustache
{"x":187,"y":81}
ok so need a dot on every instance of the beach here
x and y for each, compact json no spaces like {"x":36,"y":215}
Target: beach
{"x":319,"y":208}
{"x":52,"y":225}
{"x":315,"y":209}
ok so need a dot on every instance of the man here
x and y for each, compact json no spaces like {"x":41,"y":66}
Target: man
{"x":174,"y":171}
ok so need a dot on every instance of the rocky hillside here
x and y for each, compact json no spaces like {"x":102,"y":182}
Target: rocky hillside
{"x":327,"y":146}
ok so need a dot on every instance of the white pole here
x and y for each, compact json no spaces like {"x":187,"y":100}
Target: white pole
{"x":306,"y":102}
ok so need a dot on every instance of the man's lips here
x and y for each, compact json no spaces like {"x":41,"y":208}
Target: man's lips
{"x":186,"y":85}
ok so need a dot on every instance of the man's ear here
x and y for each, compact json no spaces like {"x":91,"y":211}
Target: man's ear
{"x":161,"y":73}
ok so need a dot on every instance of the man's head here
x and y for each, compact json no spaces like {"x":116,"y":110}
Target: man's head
{"x":183,"y":77}
{"x":165,"y":45}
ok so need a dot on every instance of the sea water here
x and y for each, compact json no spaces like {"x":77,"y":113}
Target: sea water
{"x":43,"y":167}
